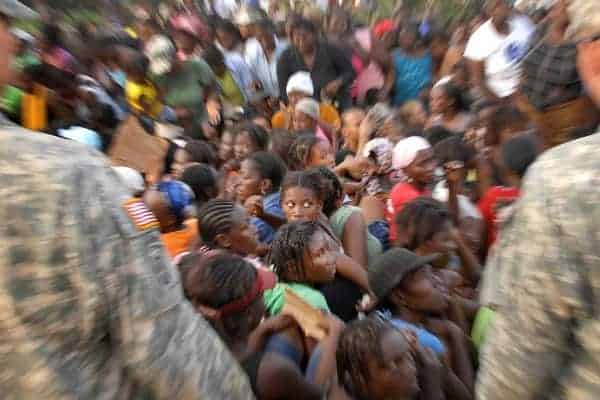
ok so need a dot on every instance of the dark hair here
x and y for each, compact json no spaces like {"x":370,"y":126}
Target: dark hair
{"x":436,"y":134}
{"x":305,"y":25}
{"x":257,"y":134}
{"x":304,"y":180}
{"x":139,"y":65}
{"x":519,"y":153}
{"x":341,"y":155}
{"x":505,"y":117}
{"x":265,"y":24}
{"x":270,"y":167}
{"x":300,"y":151}
{"x":218,"y":281}
{"x":455,"y":94}
{"x":215,"y":217}
{"x":213,"y":56}
{"x":52,"y":34}
{"x":280,"y":143}
{"x":359,"y":342}
{"x":288,"y":249}
{"x":452,"y":149}
{"x":339,"y":11}
{"x":420,"y":220}
{"x":202,"y":180}
{"x":201,"y":152}
{"x":331,"y":188}
{"x":227,"y":26}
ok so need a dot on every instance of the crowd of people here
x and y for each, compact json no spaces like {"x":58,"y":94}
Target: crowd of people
{"x":373,"y":169}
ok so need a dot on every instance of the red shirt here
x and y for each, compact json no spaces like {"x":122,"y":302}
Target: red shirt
{"x":400,"y":195}
{"x":488,"y":205}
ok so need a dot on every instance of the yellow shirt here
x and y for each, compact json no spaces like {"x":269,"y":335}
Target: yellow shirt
{"x":230,"y":91}
{"x":143,"y":98}
{"x":327,"y":113}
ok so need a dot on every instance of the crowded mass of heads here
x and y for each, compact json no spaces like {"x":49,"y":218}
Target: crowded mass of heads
{"x":361,"y":164}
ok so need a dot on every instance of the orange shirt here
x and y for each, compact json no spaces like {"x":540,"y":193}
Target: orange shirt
{"x":180,"y":241}
{"x":283,"y":118}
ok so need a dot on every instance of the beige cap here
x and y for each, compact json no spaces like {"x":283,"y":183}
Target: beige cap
{"x":16,"y":9}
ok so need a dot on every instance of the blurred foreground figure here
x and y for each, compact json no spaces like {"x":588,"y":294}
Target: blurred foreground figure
{"x":90,"y":308}
{"x":545,"y":341}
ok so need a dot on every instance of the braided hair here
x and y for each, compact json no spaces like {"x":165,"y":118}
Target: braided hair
{"x":419,"y":221}
{"x":300,"y":151}
{"x":359,"y":342}
{"x":332,"y":190}
{"x":306,"y":180}
{"x":218,"y":281}
{"x":288,"y":249}
{"x":214,"y":218}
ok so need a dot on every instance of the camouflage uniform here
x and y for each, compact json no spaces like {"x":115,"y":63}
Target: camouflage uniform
{"x":90,"y":307}
{"x":545,"y":341}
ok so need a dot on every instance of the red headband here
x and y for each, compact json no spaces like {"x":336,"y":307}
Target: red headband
{"x":238,"y":305}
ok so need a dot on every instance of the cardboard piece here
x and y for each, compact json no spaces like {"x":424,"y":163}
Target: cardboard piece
{"x":133,"y":147}
{"x":310,"y":320}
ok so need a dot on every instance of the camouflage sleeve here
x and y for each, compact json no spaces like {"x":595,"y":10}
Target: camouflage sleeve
{"x":90,"y":307}
{"x":530,"y":352}
{"x":166,"y":345}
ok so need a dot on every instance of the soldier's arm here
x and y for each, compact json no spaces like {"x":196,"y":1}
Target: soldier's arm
{"x":166,"y":346}
{"x":528,"y":347}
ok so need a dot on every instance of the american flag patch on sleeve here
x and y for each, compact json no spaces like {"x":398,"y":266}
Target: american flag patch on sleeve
{"x":140,"y":215}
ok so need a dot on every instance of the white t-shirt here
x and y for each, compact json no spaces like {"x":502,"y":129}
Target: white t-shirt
{"x":502,"y":54}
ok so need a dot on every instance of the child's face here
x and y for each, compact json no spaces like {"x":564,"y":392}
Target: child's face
{"x":350,"y":128}
{"x":321,"y":154}
{"x":251,"y":183}
{"x":226,"y":146}
{"x":422,"y":168}
{"x":242,"y":237}
{"x":424,"y":291}
{"x":302,"y":122}
{"x":244,"y":146}
{"x":319,"y":260}
{"x":300,"y":204}
{"x":397,"y":377}
{"x":181,"y":160}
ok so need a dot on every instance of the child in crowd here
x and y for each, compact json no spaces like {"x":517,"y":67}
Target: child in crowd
{"x":140,"y":92}
{"x":192,"y":151}
{"x":351,"y":120}
{"x":228,"y":292}
{"x":249,"y":139}
{"x":232,"y":94}
{"x":225,"y":225}
{"x":303,"y":198}
{"x":309,"y":151}
{"x":261,"y":175}
{"x":377,"y":361}
{"x":411,"y":296}
{"x":169,"y":201}
{"x":517,"y":154}
{"x":414,"y":162}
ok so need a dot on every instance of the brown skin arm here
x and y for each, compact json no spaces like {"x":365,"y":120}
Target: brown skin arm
{"x":351,"y":270}
{"x":471,"y":269}
{"x":454,"y":388}
{"x":354,"y":239}
{"x":461,"y":359}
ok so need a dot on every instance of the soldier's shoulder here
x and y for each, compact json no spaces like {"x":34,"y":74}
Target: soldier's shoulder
{"x":573,"y":166}
{"x":19,"y":145}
